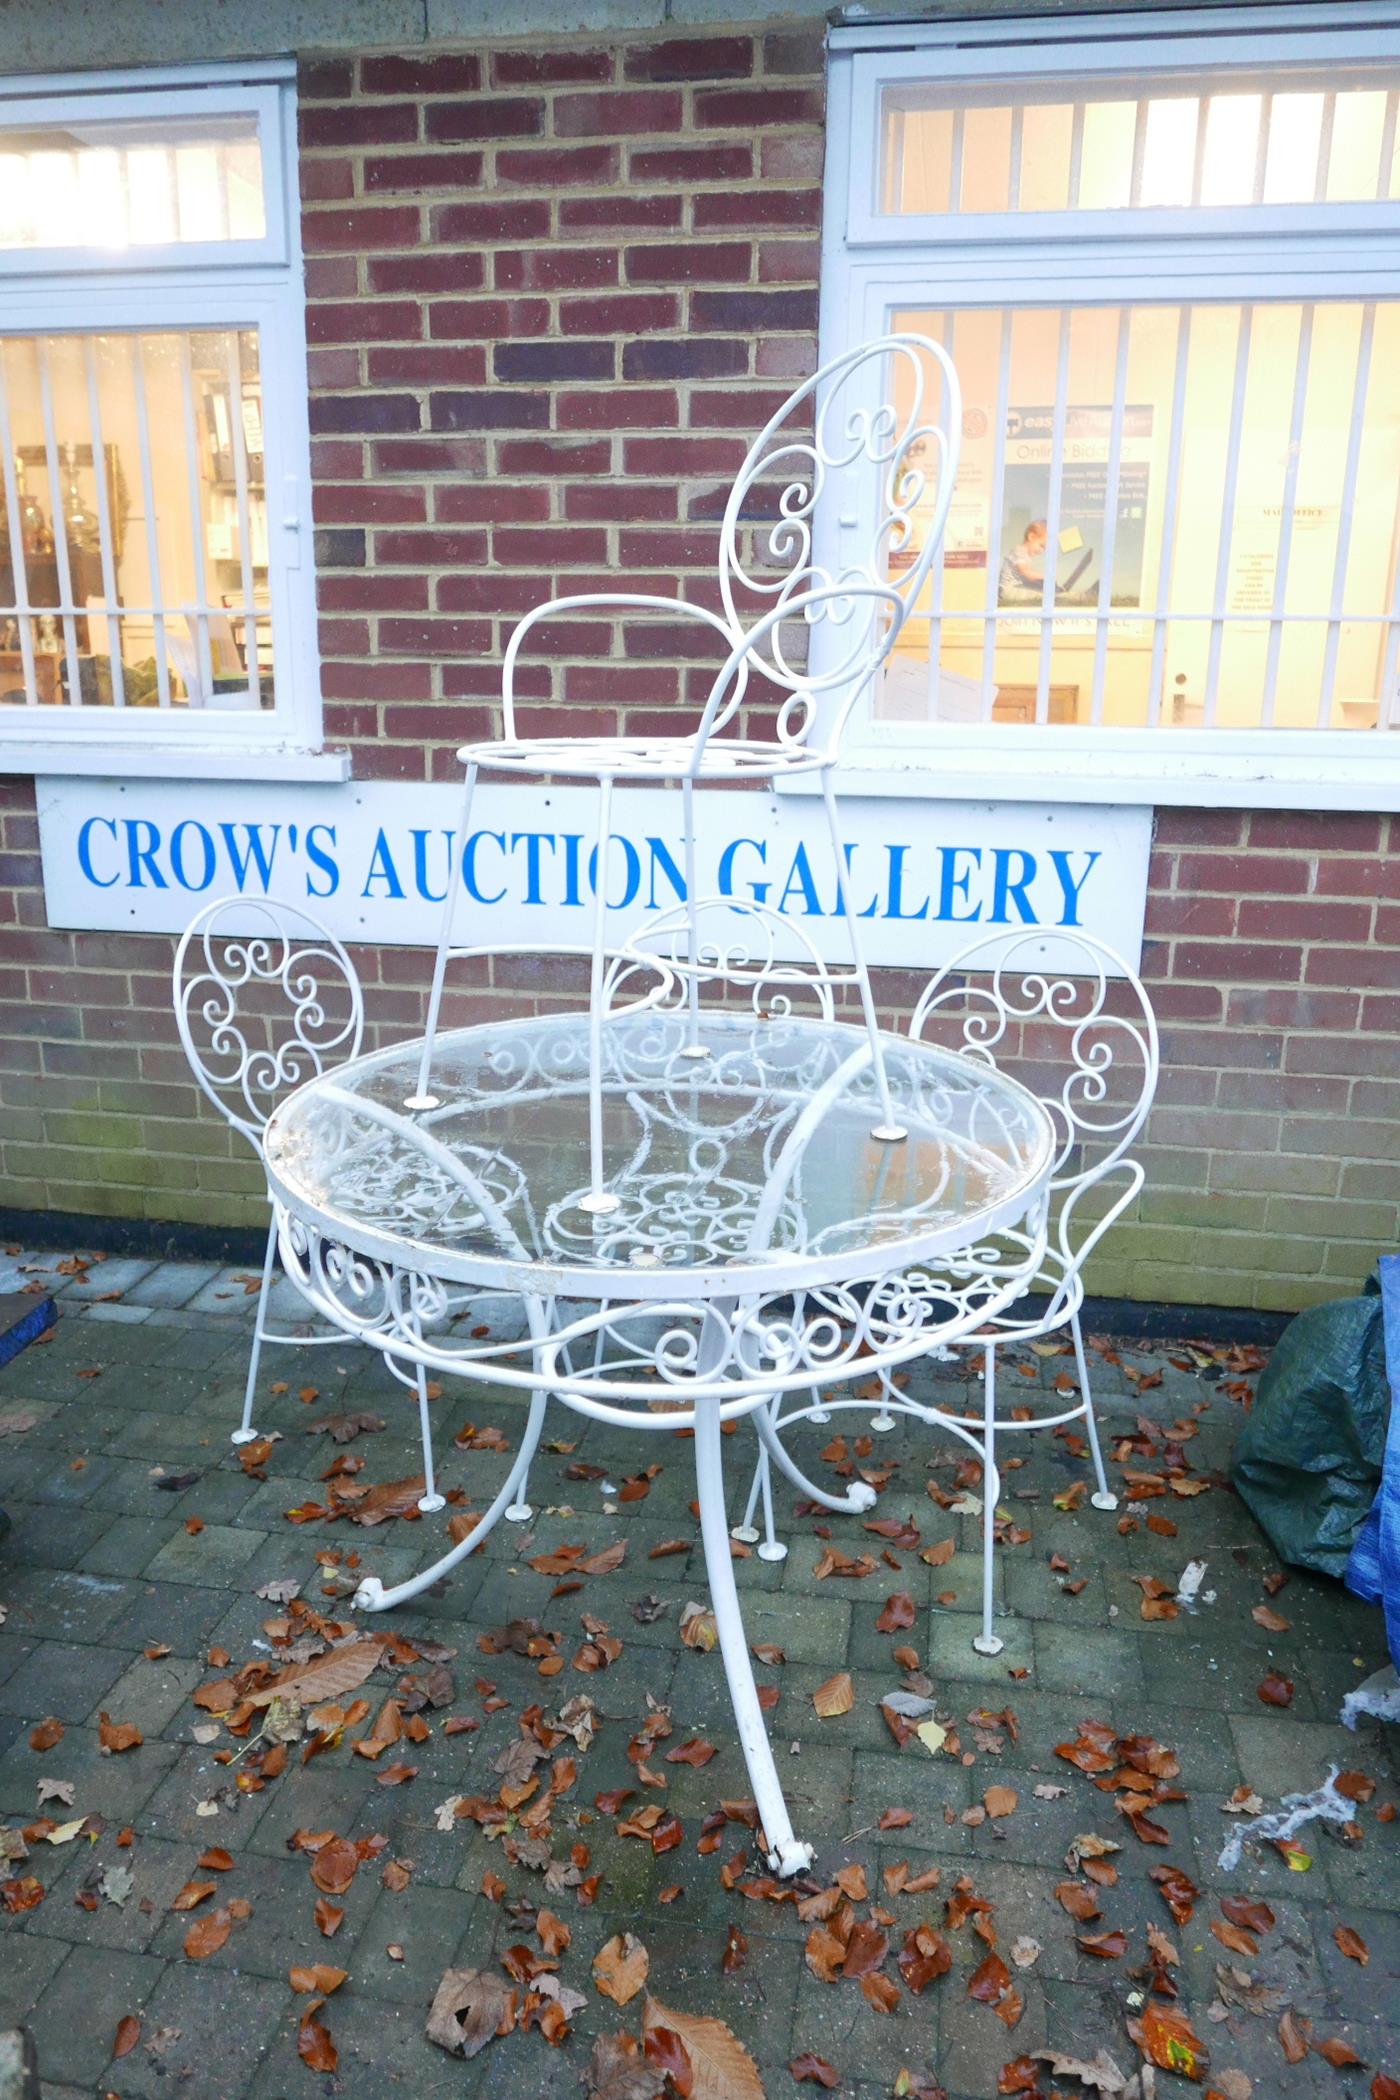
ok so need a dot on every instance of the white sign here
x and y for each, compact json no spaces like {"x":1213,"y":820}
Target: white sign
{"x":372,"y":860}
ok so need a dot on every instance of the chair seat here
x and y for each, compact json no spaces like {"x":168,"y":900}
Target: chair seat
{"x":638,"y":758}
{"x":1048,"y":1280}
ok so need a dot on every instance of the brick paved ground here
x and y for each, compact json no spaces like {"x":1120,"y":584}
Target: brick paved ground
{"x":101,"y":1565}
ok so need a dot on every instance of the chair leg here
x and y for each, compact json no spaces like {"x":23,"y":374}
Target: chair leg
{"x":430,"y":1500}
{"x":987,"y":1642}
{"x":245,"y":1432}
{"x":599,"y":1201}
{"x":693,"y":1047}
{"x":422,"y":1096}
{"x":1105,"y":1497}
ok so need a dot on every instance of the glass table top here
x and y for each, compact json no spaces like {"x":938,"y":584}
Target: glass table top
{"x":752,"y":1163}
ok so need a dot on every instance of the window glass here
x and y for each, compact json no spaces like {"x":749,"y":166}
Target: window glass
{"x":133,"y":526}
{"x":1110,"y":149}
{"x":1165,"y":515}
{"x":118,"y":183}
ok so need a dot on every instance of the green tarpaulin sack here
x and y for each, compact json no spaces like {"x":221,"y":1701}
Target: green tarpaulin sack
{"x":1308,"y":1462}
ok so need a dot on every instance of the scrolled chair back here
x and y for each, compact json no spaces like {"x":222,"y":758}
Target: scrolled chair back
{"x":799,"y":518}
{"x":1061,"y":1011}
{"x":265,"y":998}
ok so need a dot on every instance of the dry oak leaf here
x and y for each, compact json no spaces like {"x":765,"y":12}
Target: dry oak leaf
{"x":314,"y":2044}
{"x":1351,"y":1944}
{"x":1294,"y":2033}
{"x":837,"y":1696}
{"x":329,"y":1917}
{"x":1170,"y":2041}
{"x":127,"y":2036}
{"x":999,"y":1801}
{"x":720,"y":2066}
{"x":816,"y":2068}
{"x":193,"y":1894}
{"x":207,"y":1934}
{"x":1384,"y":2087}
{"x":333,"y":1867}
{"x":1276,"y":1690}
{"x":1336,"y":2052}
{"x":698,"y":1628}
{"x":471,"y":2007}
{"x":114,"y":1736}
{"x":620,"y":1968}
{"x":46,"y":1734}
{"x":897,"y":1615}
{"x":617,"y":2070}
{"x":1101,"y":2076}
{"x":1107,"y":1945}
{"x":316,"y":1978}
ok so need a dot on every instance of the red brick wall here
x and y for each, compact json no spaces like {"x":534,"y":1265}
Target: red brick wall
{"x":552,"y":293}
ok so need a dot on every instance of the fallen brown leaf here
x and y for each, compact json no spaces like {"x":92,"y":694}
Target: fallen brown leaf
{"x":620,"y":1968}
{"x":837,"y":1696}
{"x":720,"y":2066}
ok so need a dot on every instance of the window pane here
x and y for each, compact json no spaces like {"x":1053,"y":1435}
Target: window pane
{"x":133,"y":521}
{"x":128,"y":182}
{"x":1172,"y":515}
{"x":1109,"y":149}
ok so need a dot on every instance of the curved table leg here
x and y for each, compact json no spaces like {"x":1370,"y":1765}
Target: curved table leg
{"x":786,"y":1853}
{"x":372,"y":1595}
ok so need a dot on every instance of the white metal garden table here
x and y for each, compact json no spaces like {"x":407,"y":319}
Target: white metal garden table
{"x":764,"y":1239}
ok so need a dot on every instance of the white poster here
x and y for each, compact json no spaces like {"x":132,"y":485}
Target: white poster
{"x":371,"y":860}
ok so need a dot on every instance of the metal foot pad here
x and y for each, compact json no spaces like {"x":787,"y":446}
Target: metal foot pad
{"x":695,"y":1050}
{"x":746,"y":1534}
{"x":431,"y":1504}
{"x":861,"y":1496}
{"x":369,"y":1596}
{"x":889,"y":1133}
{"x":882,"y":1422}
{"x":792,"y":1858}
{"x":601,"y":1205}
{"x":519,"y":1513}
{"x":244,"y":1436}
{"x":988,"y":1643}
{"x":819,"y":1414}
{"x":422,"y":1101}
{"x":772,"y":1549}
{"x":1104,"y":1501}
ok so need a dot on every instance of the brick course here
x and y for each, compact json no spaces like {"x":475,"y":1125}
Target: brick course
{"x":551,"y":295}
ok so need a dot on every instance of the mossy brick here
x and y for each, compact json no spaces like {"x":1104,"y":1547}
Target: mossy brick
{"x":93,"y":1130}
{"x":1287,"y":1173}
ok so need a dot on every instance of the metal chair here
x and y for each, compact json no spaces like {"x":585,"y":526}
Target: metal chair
{"x":276,"y":1001}
{"x":797,"y":565}
{"x":1028,"y":998}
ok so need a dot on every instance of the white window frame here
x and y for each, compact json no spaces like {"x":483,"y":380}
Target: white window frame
{"x":874,"y":264}
{"x":237,"y":284}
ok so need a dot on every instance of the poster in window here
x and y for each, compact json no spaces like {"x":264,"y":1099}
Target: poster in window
{"x":1082,"y":540}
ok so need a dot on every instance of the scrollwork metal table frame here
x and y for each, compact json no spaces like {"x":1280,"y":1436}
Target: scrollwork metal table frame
{"x":763,"y":1241}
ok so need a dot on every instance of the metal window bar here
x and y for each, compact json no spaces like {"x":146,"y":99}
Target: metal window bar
{"x":1387,"y":154}
{"x":23,"y":618}
{"x":1388,"y":715}
{"x":994,"y":522}
{"x":148,"y":499}
{"x":1050,"y":583}
{"x":1139,"y":153}
{"x":955,"y":162}
{"x":245,"y":548}
{"x":1261,"y":150}
{"x":1018,"y":140}
{"x":1110,"y":513}
{"x":1360,"y":388}
{"x":935,"y":582}
{"x":104,"y":527}
{"x":1170,"y":503}
{"x":1198,"y":156}
{"x":200,"y":618}
{"x":59,"y":520}
{"x":1076,"y":155}
{"x":1302,"y":360}
{"x":1324,"y":147}
{"x":1227,"y":510}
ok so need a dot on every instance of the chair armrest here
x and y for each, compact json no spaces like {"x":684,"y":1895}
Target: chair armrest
{"x":636,"y":600}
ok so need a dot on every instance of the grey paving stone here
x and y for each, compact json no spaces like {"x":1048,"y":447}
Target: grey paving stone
{"x":114,"y":1787}
{"x":211,"y":1556}
{"x":225,"y":2021}
{"x":61,"y":1678}
{"x":28,"y":1966}
{"x":77,"y":2017}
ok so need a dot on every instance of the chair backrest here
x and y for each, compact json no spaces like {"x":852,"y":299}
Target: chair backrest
{"x":1063,"y":1012}
{"x":265,"y":997}
{"x":799,"y":518}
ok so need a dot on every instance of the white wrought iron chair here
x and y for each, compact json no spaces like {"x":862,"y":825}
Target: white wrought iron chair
{"x":266,"y":997}
{"x":1022,"y":998}
{"x":796,"y":567}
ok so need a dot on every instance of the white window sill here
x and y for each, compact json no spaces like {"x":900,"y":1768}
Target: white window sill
{"x":1041,"y":767}
{"x":124,"y":760}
